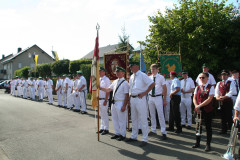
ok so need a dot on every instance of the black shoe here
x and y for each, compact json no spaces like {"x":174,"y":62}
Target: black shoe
{"x":83,"y":112}
{"x":100,"y":131}
{"x":120,"y":138}
{"x":183,"y":126}
{"x":76,"y":110}
{"x":115,"y":137}
{"x":164,"y":137}
{"x":143,"y":144}
{"x":189,"y":127}
{"x":139,"y":131}
{"x":152,"y":134}
{"x":208,"y":148}
{"x":50,"y":103}
{"x":170,"y":129}
{"x":105,"y":132}
{"x":178,"y":131}
{"x":131,"y":140}
{"x":196,"y":145}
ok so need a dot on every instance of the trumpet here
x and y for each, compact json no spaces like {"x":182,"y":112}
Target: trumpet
{"x":198,"y":121}
{"x":232,"y":142}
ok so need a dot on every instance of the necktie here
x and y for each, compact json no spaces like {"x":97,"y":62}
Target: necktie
{"x":133,"y":83}
{"x":236,"y":84}
{"x":184,"y":87}
{"x":153,"y":90}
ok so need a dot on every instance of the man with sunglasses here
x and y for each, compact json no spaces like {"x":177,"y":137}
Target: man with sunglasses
{"x":202,"y":100}
{"x":211,"y":79}
{"x":223,"y":93}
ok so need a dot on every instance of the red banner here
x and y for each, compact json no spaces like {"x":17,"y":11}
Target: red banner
{"x":111,"y":61}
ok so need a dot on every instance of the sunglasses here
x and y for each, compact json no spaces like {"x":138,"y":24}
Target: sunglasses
{"x":202,"y":77}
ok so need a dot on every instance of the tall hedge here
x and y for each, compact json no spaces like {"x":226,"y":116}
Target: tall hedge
{"x":23,"y":72}
{"x":44,"y":69}
{"x":61,"y":67}
{"x":86,"y":69}
{"x":75,"y":65}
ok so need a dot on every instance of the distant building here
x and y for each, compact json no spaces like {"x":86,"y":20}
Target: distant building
{"x":13,"y":62}
{"x":102,"y":50}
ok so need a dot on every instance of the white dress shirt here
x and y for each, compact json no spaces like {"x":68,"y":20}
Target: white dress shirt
{"x":139,"y":83}
{"x":122,"y":90}
{"x":159,"y":82}
{"x":232,"y":90}
{"x":189,"y":85}
{"x":104,"y":83}
{"x":211,"y":80}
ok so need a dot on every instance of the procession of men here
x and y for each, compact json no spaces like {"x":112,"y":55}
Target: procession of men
{"x":71,"y":93}
{"x":151,"y":98}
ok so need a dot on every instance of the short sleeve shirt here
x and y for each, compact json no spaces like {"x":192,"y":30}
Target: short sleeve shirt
{"x":159,"y":82}
{"x":189,"y":85}
{"x":122,"y":90}
{"x":175,"y":83}
{"x":139,"y":83}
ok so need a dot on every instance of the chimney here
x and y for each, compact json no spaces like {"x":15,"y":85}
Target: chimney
{"x":19,"y":49}
{"x":3,"y":56}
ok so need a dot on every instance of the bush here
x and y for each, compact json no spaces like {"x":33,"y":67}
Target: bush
{"x":74,"y":66}
{"x":61,"y":67}
{"x":44,"y":69}
{"x":86,"y":69}
{"x":23,"y":72}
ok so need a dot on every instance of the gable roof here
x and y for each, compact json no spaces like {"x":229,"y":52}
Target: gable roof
{"x":5,"y":58}
{"x":102,"y":50}
{"x":17,"y":54}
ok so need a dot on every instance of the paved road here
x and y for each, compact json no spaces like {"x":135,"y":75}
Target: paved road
{"x":32,"y":130}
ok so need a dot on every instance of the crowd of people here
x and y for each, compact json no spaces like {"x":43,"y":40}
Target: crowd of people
{"x":149,"y":97}
{"x":71,"y":93}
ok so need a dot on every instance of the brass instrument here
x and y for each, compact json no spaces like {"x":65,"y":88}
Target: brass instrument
{"x":232,"y":142}
{"x":198,"y":121}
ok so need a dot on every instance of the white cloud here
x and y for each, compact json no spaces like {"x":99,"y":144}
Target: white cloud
{"x":69,"y":25}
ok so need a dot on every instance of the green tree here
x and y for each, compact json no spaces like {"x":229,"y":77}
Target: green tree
{"x":205,"y":31}
{"x":23,"y":72}
{"x":44,"y":69}
{"x":74,"y":66}
{"x":124,"y":40}
{"x":61,"y":67}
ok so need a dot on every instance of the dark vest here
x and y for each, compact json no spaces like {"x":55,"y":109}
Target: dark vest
{"x":202,"y":96}
{"x":224,"y":89}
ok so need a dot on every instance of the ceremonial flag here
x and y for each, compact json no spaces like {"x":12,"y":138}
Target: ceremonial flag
{"x":55,"y":55}
{"x":35,"y":60}
{"x":94,"y":80}
{"x":142,"y":64}
{"x":170,"y":63}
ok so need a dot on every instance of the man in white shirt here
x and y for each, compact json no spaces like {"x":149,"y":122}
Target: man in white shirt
{"x":40,"y":89}
{"x":156,"y":101}
{"x":140,"y":86}
{"x":223,"y":93}
{"x":167,"y":107}
{"x":66,"y":89}
{"x":74,"y":92}
{"x":70,"y":100}
{"x":58,"y":89}
{"x":82,"y":89}
{"x":32,"y":86}
{"x":187,"y":88}
{"x":235,"y":80}
{"x":103,"y":101}
{"x":120,"y":98}
{"x":49,"y":87}
{"x":211,"y":79}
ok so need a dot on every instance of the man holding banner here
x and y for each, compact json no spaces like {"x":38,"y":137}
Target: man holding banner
{"x":120,"y":90}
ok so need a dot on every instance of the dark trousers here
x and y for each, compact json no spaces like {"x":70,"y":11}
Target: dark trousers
{"x":226,"y":115}
{"x":175,"y":113}
{"x":207,"y":117}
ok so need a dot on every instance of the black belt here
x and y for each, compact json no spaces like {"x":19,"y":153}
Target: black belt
{"x":235,"y":95}
{"x":101,"y":98}
{"x":134,"y":96}
{"x":155,"y":95}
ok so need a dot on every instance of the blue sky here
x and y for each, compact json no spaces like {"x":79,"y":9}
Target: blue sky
{"x":69,"y":25}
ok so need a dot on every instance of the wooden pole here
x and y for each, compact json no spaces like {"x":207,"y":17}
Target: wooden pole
{"x":98,"y":27}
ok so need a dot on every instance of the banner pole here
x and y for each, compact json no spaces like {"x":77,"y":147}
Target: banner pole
{"x":98,"y":115}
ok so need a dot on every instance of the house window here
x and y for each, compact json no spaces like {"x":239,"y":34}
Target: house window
{"x":19,"y":65}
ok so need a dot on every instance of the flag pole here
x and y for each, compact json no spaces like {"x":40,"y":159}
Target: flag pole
{"x":128,"y":105}
{"x":97,"y":28}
